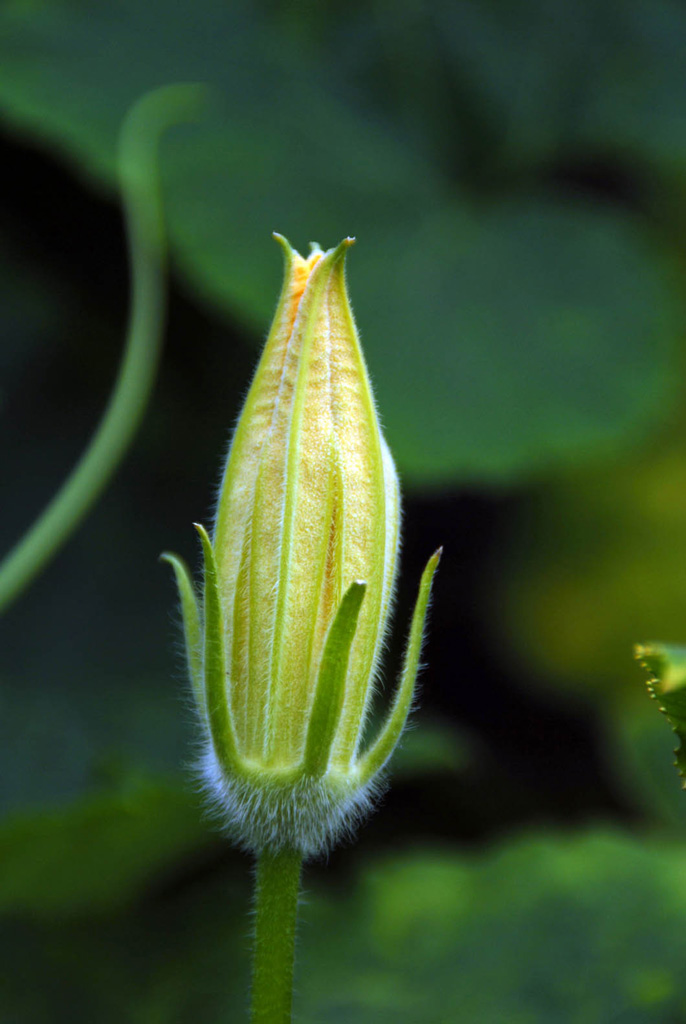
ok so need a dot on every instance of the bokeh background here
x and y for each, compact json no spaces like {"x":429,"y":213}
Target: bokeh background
{"x":515,"y":174}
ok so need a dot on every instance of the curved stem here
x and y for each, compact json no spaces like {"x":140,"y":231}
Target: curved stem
{"x":143,"y":207}
{"x":276,"y":908}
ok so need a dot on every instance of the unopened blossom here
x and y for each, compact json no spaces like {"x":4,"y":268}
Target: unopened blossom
{"x":283,"y":649}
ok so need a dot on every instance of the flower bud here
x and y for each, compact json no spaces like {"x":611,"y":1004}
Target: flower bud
{"x":299,"y":577}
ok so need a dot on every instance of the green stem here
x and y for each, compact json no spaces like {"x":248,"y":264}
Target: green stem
{"x":138,"y":175}
{"x":276,"y":908}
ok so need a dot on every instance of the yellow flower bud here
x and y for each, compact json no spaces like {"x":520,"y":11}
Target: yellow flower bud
{"x":298,"y":581}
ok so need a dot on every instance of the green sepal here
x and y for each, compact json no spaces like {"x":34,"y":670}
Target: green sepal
{"x":666,"y":667}
{"x":330,"y":691}
{"x":214,"y":660}
{"x":190,"y":614}
{"x":376,"y":756}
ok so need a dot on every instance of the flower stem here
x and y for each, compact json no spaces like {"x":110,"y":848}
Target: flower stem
{"x":276,"y":908}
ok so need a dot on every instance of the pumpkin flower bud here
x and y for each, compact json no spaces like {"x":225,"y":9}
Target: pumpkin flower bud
{"x":299,"y":577}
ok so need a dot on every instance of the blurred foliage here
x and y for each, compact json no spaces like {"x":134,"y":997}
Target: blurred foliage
{"x":431,"y":749}
{"x":96,"y":854}
{"x":548,"y":928}
{"x":639,"y":749}
{"x":573,"y":930}
{"x":511,"y":319}
{"x":59,"y":742}
{"x":590,"y":569}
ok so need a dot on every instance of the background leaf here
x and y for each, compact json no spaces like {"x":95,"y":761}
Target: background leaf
{"x":97,"y":854}
{"x":546,"y":929}
{"x":587,"y":567}
{"x":573,"y":930}
{"x":502,"y":337}
{"x":640,"y":748}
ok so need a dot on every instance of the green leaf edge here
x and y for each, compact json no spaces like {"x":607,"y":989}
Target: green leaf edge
{"x":666,"y":668}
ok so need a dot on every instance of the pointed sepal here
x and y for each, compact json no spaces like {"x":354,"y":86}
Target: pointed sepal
{"x":214,"y":662}
{"x":330,"y":690}
{"x":190,"y":615}
{"x":376,"y":756}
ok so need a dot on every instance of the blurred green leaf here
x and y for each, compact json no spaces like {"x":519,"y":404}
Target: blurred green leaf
{"x":639,"y":751}
{"x":545,"y":83}
{"x":666,"y":667}
{"x":180,"y":955}
{"x":97,"y":853}
{"x":588,"y":566}
{"x":61,"y":740}
{"x":524,"y":71}
{"x":429,"y":748}
{"x":433,"y":937}
{"x":635,"y":106}
{"x":575,"y":930}
{"x":535,"y":318}
{"x":501,"y":338}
